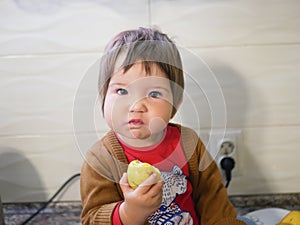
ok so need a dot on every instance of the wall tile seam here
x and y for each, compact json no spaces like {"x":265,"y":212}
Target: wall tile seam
{"x":100,"y":51}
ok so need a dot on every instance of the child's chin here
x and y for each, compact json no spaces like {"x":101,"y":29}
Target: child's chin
{"x":138,"y":134}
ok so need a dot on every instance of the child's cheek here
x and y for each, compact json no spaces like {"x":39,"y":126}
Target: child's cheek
{"x":108,"y":107}
{"x":113,"y":109}
{"x":157,"y":124}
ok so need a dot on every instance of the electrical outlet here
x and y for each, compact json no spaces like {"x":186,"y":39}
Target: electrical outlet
{"x":223,"y":143}
{"x":227,"y":147}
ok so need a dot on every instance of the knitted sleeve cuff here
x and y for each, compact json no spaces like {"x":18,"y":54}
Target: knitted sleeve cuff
{"x":104,"y":214}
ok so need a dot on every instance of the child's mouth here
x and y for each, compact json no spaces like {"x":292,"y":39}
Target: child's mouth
{"x":136,"y":122}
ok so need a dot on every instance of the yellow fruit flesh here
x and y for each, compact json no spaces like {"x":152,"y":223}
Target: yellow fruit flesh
{"x":138,"y":172}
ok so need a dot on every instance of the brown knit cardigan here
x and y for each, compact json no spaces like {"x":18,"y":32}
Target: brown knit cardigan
{"x":105,"y":163}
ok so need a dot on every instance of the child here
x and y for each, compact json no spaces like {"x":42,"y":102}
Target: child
{"x":141,"y":85}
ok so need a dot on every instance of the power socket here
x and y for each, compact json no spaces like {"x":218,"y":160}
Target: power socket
{"x":226,"y":143}
{"x":227,"y":147}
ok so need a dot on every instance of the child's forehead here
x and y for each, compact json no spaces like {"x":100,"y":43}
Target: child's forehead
{"x":138,"y":70}
{"x":138,"y":78}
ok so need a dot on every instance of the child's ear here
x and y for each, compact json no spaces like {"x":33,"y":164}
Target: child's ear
{"x":175,"y":108}
{"x":179,"y":103}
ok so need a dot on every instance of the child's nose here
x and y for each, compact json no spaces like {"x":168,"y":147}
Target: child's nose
{"x":138,"y":106}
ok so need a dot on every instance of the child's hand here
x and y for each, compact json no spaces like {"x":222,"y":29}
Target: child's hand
{"x":140,"y":203}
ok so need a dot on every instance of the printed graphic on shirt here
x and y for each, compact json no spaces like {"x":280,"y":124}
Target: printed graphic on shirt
{"x":170,"y":213}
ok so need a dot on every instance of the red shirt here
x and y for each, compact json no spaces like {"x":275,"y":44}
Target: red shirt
{"x":165,"y":155}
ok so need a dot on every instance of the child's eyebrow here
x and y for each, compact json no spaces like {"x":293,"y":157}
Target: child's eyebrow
{"x":161,"y":87}
{"x":117,"y":84}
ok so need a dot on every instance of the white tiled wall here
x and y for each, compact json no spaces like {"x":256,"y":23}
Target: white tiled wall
{"x":49,"y":109}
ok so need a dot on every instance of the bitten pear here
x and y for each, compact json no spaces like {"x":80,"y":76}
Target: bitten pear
{"x":138,"y":172}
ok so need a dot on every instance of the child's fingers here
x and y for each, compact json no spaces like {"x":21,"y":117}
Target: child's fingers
{"x":124,"y":179}
{"x":156,"y":190}
{"x":152,"y":179}
{"x":148,"y":183}
{"x":124,"y":183}
{"x":153,"y":190}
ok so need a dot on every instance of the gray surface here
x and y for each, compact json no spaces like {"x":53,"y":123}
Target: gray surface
{"x":68,"y":213}
{"x":1,"y":213}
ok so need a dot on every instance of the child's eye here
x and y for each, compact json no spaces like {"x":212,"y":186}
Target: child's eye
{"x":154,"y":94}
{"x":122,"y":91}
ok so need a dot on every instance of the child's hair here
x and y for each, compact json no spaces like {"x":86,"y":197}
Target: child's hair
{"x":148,"y":46}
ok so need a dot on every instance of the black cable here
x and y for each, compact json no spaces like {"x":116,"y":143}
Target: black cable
{"x":51,"y":199}
{"x":227,"y":164}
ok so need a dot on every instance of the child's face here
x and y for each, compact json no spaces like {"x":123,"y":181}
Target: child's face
{"x":138,"y":105}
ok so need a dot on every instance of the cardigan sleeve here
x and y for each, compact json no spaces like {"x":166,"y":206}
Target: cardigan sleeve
{"x":99,"y":197}
{"x":99,"y":188}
